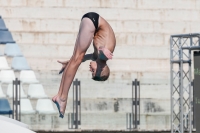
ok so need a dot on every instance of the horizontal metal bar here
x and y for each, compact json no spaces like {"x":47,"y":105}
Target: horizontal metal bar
{"x":179,"y":61}
{"x":79,"y":123}
{"x":133,"y":83}
{"x":192,"y":48}
{"x":137,"y":122}
{"x":186,"y":35}
{"x":16,"y":102}
{"x":137,"y":102}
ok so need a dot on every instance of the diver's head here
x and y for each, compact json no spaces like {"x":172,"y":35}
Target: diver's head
{"x":100,"y":70}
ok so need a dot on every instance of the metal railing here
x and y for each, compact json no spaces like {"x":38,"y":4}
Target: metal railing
{"x":74,"y":119}
{"x":16,"y":100}
{"x":133,"y":118}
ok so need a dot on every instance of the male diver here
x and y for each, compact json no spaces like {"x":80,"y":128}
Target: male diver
{"x":92,"y":27}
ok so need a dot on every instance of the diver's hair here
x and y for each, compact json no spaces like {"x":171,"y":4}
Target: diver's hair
{"x":103,"y":78}
{"x":104,"y":75}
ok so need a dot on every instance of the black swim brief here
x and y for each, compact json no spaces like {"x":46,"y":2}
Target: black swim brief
{"x":94,"y":18}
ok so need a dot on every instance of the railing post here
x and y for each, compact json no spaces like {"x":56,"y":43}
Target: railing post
{"x":133,"y":118}
{"x":74,"y":119}
{"x":16,"y":100}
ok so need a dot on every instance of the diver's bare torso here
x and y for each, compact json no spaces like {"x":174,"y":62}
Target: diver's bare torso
{"x":104,"y":37}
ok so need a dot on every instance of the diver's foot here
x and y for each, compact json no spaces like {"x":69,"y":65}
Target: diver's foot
{"x":54,"y":98}
{"x":61,"y":105}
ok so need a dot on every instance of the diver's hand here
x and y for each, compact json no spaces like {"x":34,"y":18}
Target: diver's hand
{"x":64,"y":64}
{"x":106,"y":52}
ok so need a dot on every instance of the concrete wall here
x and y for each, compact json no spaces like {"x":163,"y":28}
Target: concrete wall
{"x":46,"y":31}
